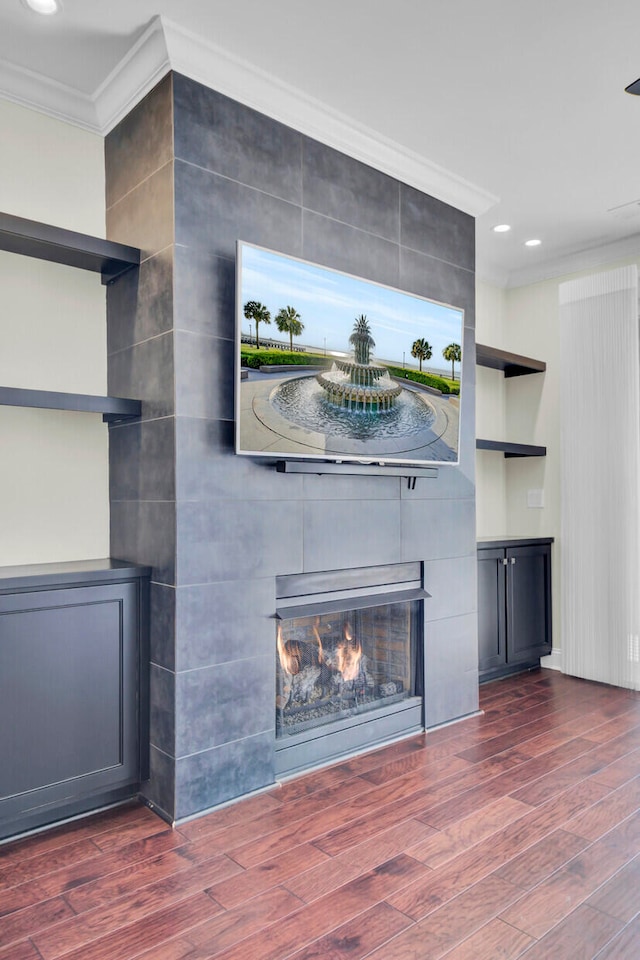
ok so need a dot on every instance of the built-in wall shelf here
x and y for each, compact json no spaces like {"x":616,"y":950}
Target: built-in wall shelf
{"x":57,"y":245}
{"x":512,"y":449}
{"x":112,"y":409}
{"x":512,"y":364}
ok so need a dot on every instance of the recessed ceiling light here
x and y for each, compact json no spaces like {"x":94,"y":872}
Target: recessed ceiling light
{"x":502,"y":228}
{"x":532,"y":243}
{"x":45,"y":7}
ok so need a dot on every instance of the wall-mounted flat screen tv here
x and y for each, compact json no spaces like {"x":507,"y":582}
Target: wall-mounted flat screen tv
{"x":337,"y":368}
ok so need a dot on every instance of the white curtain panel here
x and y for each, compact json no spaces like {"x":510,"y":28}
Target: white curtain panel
{"x":600,"y":477}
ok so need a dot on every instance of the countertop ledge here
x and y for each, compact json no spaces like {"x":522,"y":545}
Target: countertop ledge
{"x":512,"y":541}
{"x":28,"y":576}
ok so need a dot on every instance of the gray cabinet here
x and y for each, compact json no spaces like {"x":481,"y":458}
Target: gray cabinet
{"x":514,"y":605}
{"x":74,"y":704}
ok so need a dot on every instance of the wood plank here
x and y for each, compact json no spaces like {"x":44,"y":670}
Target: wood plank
{"x":20,"y":951}
{"x":625,"y":945}
{"x":619,"y":896}
{"x":580,"y":936}
{"x":426,"y":894}
{"x":456,"y":839}
{"x":90,"y":926}
{"x":357,"y":938}
{"x":24,"y":923}
{"x":495,"y":940}
{"x":603,"y":816}
{"x":92,"y":825}
{"x":249,"y":883}
{"x":550,"y":902}
{"x":336,"y":871}
{"x":131,"y":940}
{"x":542,"y":859}
{"x":620,"y":771}
{"x":210,"y":938}
{"x":450,"y":924}
{"x":324,"y":915}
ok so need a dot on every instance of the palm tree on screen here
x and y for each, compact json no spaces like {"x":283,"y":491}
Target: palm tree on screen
{"x":421,"y":350}
{"x":289,"y":321}
{"x":254,"y":310}
{"x":453,"y":353}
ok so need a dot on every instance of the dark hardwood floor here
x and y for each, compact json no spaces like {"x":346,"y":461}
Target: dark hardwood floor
{"x":512,"y":834}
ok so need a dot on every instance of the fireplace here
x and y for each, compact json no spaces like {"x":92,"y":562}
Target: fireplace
{"x":348,"y":662}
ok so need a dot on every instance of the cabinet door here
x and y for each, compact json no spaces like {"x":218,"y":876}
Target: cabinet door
{"x":528,"y":602}
{"x":491,"y":609}
{"x":69,"y":706}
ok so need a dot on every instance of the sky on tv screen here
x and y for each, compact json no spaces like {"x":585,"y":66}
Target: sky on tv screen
{"x":328,"y":303}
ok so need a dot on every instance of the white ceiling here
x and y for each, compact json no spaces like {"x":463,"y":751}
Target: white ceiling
{"x":524,"y":101}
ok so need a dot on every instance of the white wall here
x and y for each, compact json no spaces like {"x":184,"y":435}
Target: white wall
{"x":54,"y":501}
{"x":491,"y":493}
{"x":529,"y":326}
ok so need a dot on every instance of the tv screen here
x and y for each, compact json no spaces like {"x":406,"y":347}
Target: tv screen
{"x":337,"y":368}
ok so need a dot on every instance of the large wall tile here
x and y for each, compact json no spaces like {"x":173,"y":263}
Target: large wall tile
{"x":204,"y":368}
{"x":355,"y":533}
{"x":331,"y":486}
{"x":141,"y":455}
{"x":204,"y":293}
{"x":435,"y":228}
{"x":451,"y":668}
{"x":208,"y":469}
{"x":144,"y":217}
{"x":162,"y":640}
{"x":140,"y":144}
{"x":162,"y":687}
{"x":222,"y":135}
{"x":440,"y":281}
{"x":145,"y":531}
{"x":212,"y":213}
{"x":435,"y":529}
{"x":161,"y":787}
{"x":231,"y":701}
{"x":231,"y":770}
{"x":220,"y":622}
{"x":345,"y":248}
{"x":140,"y":303}
{"x":345,"y":189}
{"x":145,"y":372}
{"x":452,"y":585}
{"x":230,"y":540}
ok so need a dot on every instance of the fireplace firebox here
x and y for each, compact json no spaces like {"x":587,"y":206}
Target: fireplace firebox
{"x":348,"y":662}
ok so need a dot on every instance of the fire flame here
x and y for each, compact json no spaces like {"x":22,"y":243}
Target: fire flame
{"x":289,"y":653}
{"x":348,"y":655}
{"x":319,"y":642}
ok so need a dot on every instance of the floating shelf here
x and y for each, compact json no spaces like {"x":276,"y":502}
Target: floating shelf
{"x":41,"y":240}
{"x":112,"y":409}
{"x":512,"y":364}
{"x":511,"y":449}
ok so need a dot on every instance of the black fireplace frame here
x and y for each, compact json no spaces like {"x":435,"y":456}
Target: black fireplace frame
{"x":302,"y":595}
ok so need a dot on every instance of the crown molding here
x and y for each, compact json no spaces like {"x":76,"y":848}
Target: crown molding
{"x":209,"y":64}
{"x":576,"y":262}
{"x":165,"y":46}
{"x":141,"y":68}
{"x":30,"y":89}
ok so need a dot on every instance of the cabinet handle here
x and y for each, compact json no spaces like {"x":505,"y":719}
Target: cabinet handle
{"x":503,"y":562}
{"x":512,"y":560}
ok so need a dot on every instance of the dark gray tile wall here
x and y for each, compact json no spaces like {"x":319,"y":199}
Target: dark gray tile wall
{"x":236,"y":523}
{"x":140,"y":348}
